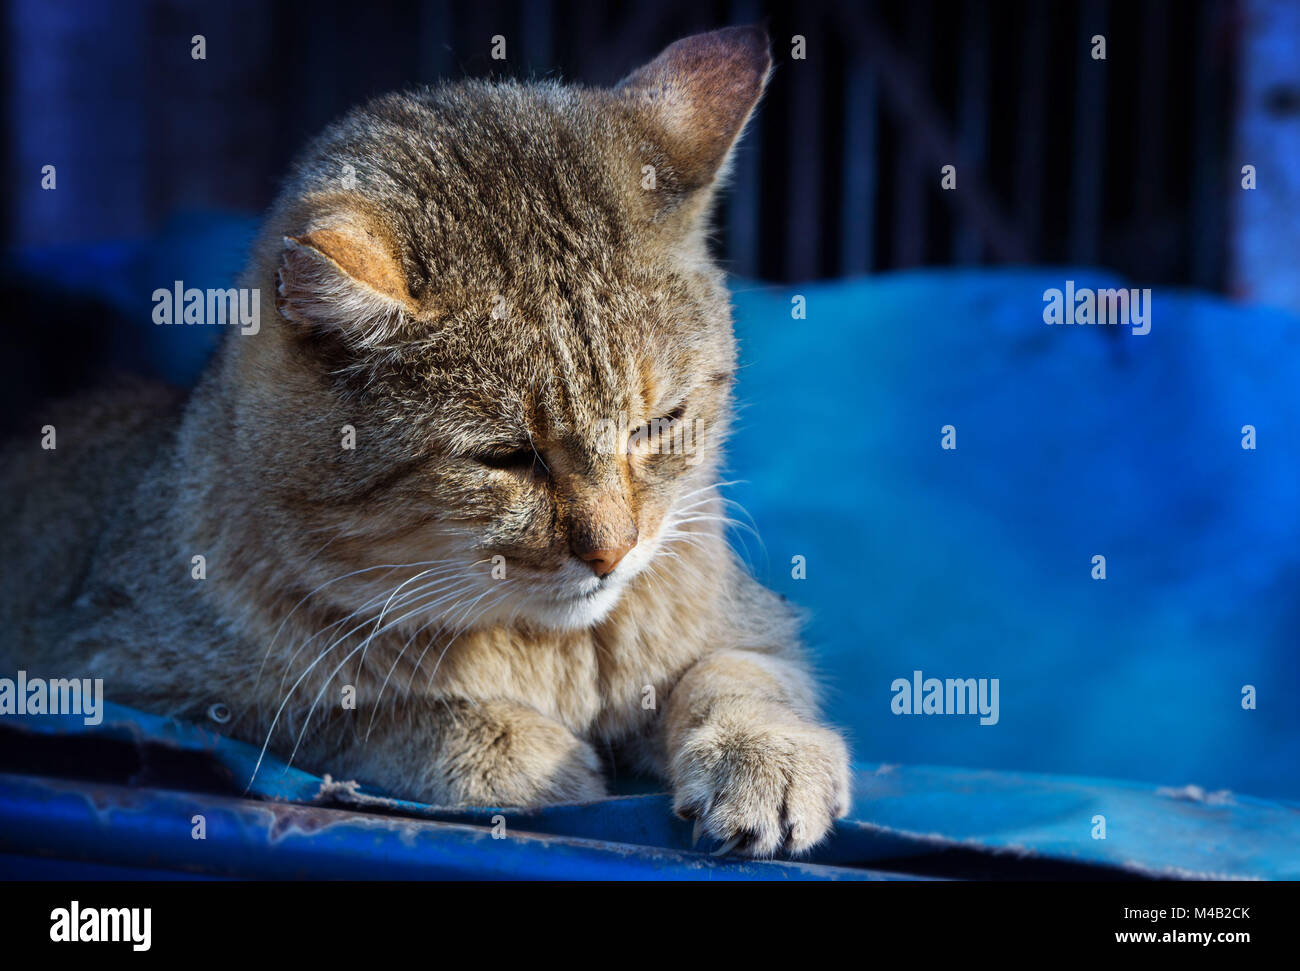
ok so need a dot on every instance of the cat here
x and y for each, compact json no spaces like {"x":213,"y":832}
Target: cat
{"x":391,"y":537}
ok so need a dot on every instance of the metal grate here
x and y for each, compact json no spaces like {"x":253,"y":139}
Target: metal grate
{"x":1060,"y":158}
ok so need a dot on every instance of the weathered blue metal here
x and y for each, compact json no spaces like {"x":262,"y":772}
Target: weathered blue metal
{"x":293,"y":824}
{"x":154,"y":830}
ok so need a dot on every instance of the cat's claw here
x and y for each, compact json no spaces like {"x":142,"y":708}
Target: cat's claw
{"x":760,"y":788}
{"x":730,"y":845}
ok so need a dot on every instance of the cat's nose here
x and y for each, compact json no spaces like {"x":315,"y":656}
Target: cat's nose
{"x":602,"y":528}
{"x":604,"y":560}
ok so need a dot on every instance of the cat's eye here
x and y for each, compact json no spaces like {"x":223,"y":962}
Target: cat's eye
{"x":522,"y":459}
{"x":655,"y":436}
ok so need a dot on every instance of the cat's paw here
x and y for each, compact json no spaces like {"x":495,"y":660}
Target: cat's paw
{"x":507,"y":755}
{"x":759,"y":786}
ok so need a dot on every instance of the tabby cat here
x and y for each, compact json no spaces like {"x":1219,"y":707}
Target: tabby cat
{"x":449,"y":522}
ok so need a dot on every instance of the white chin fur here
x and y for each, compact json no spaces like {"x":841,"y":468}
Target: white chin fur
{"x":573,"y":599}
{"x":573,"y":614}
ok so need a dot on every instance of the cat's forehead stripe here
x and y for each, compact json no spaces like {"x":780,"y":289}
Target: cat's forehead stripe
{"x":586,"y":374}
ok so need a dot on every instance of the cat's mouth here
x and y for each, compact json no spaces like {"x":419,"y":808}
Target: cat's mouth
{"x":568,"y":596}
{"x":590,"y":593}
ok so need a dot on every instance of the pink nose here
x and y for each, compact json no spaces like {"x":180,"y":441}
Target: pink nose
{"x":603,"y":561}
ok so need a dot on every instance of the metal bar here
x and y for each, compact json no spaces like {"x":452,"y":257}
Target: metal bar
{"x":911,"y":198}
{"x":1150,"y":147}
{"x":803,"y":207}
{"x":858,"y":213}
{"x":973,"y":118}
{"x":911,"y":103}
{"x":1030,"y":135}
{"x":1207,"y":194}
{"x":1089,"y":129}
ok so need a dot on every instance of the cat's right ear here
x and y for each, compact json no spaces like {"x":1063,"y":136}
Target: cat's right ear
{"x":697,"y":95}
{"x":340,"y":277}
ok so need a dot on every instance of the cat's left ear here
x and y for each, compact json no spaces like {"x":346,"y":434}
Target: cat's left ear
{"x":698,"y":94}
{"x":341,"y":276}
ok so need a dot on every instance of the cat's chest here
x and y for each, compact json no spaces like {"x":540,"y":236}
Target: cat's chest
{"x":597,"y":683}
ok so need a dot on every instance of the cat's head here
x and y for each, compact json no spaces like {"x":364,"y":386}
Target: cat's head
{"x":504,"y":290}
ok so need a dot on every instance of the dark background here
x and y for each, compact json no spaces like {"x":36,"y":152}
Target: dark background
{"x":1059,"y":159}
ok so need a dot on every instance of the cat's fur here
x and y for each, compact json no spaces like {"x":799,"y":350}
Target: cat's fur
{"x":499,"y":270}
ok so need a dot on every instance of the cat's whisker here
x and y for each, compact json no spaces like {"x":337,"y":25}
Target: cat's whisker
{"x":383,"y":610}
{"x":293,"y":689}
{"x":361,"y":663}
{"x":725,"y":520}
{"x":330,"y":678}
{"x":346,"y":576}
{"x":436,"y":589}
{"x":419,"y":662}
{"x":307,"y":721}
{"x":705,"y":519}
{"x":464,"y":627}
{"x":401,"y":653}
{"x":392,"y":667}
{"x":683,"y":560}
{"x":287,"y":667}
{"x":372,"y":602}
{"x":293,"y":611}
{"x":668,"y":540}
{"x":415,"y":670}
{"x":681,"y":506}
{"x":712,"y":486}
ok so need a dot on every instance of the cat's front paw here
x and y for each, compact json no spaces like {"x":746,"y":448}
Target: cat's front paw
{"x":758,"y":785}
{"x":508,"y":755}
{"x":472,"y":753}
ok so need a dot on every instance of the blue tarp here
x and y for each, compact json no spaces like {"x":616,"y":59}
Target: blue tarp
{"x":912,"y":819}
{"x":977,"y":562}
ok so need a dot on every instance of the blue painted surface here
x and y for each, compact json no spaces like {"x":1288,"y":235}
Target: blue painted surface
{"x":904,"y":818}
{"x":293,"y":826}
{"x":153,"y":830}
{"x":1072,"y":442}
